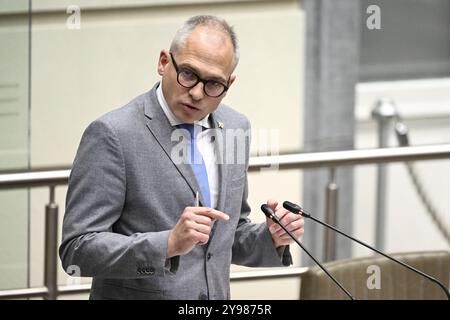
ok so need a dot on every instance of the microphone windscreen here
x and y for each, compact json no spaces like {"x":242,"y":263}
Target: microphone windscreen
{"x":267,"y":211}
{"x":292,"y":207}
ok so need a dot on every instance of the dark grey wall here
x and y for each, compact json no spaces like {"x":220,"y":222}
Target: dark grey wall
{"x":413,"y":42}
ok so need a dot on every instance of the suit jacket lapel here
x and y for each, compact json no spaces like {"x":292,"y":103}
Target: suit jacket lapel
{"x":220,"y":158}
{"x":160,"y":127}
{"x":222,"y":167}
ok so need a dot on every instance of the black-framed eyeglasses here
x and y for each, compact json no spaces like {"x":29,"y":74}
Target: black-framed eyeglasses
{"x":189,"y":79}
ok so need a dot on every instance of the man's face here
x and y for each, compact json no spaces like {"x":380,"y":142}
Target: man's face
{"x":210,"y":55}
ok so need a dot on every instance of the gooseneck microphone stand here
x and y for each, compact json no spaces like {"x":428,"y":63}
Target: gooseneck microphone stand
{"x":295,"y":208}
{"x":271,"y":215}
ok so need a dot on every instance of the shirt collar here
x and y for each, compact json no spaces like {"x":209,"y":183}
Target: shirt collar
{"x":169,"y":114}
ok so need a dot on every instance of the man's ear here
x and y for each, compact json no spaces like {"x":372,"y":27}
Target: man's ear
{"x":232,"y":78}
{"x":164,"y":58}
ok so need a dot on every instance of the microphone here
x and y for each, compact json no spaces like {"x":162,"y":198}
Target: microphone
{"x":295,"y":208}
{"x":271,"y":215}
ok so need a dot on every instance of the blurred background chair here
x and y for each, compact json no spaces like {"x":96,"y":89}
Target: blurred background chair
{"x":397,"y":282}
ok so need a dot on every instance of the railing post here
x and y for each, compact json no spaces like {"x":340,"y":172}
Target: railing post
{"x":383,"y":112}
{"x":330,"y":217}
{"x":51,"y":242}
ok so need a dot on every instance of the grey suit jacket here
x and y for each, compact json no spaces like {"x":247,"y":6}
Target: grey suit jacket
{"x":125,"y":194}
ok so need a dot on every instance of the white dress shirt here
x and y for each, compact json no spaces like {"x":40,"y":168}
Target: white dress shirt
{"x":205,"y":145}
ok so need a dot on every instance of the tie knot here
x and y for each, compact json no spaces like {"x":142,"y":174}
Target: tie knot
{"x":194,"y":129}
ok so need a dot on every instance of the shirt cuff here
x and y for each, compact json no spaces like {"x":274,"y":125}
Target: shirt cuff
{"x":171,"y":264}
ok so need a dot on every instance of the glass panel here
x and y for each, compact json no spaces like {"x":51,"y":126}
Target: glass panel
{"x":14,"y":139}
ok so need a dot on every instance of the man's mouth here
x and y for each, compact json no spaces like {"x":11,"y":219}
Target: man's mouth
{"x":190,"y":106}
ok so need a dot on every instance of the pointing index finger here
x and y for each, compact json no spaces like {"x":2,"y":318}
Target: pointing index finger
{"x":212,"y":213}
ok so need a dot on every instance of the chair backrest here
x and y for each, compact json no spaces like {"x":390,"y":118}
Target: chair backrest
{"x":377,"y":277}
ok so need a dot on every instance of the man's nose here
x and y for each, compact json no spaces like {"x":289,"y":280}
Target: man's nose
{"x":197,"y":92}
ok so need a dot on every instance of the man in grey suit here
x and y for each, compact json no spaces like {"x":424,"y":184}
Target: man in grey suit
{"x":144,"y":222}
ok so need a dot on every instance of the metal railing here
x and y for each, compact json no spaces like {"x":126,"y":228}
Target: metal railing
{"x":331,"y":160}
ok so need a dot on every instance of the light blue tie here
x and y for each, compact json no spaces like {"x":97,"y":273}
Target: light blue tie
{"x":197,"y":162}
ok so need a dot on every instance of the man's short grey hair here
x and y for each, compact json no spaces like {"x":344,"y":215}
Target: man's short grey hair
{"x":205,"y":20}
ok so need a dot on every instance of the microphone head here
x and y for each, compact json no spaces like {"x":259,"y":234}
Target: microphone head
{"x":268,"y":212}
{"x":292,"y":207}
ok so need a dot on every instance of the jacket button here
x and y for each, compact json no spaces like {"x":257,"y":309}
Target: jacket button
{"x":150,"y":271}
{"x":208,"y":256}
{"x":139,"y":270}
{"x":202,"y":296}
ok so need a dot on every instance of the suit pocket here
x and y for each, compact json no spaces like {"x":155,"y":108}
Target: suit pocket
{"x":113,"y":291}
